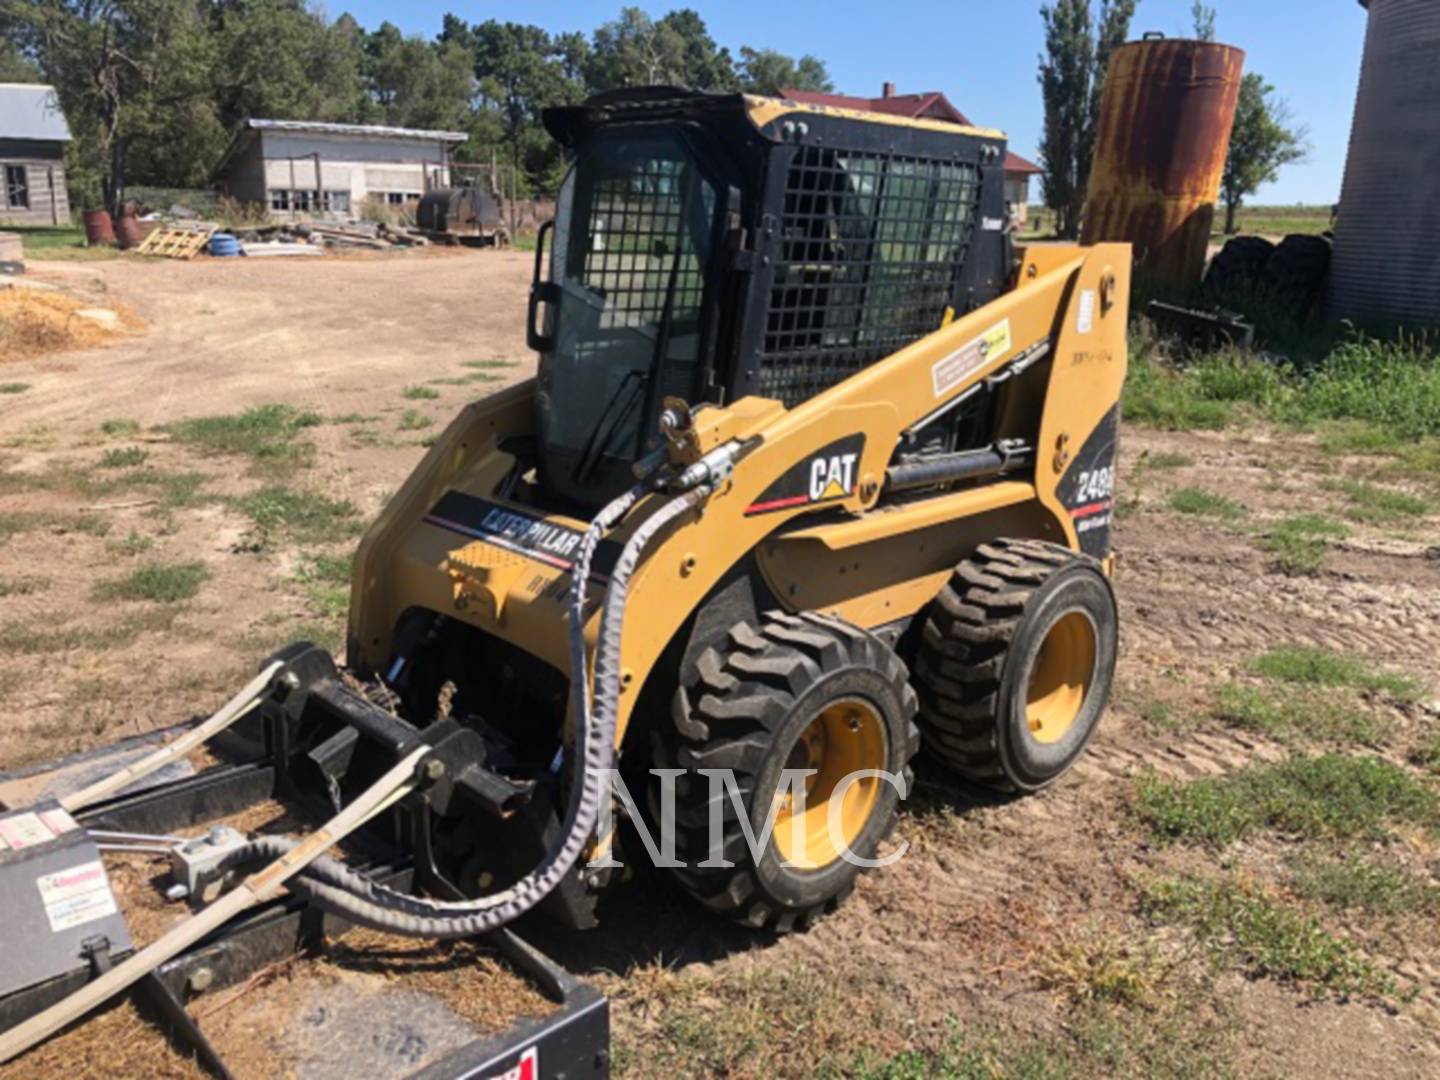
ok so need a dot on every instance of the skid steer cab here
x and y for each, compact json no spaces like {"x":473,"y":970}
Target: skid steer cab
{"x":817,"y":471}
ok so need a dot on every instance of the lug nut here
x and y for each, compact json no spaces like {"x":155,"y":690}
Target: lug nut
{"x":434,"y":769}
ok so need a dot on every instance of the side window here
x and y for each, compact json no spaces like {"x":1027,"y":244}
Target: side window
{"x":17,"y":187}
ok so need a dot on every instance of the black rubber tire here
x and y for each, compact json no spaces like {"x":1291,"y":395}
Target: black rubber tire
{"x":1239,"y":266}
{"x":1299,"y":270}
{"x":978,"y":649}
{"x":744,"y":708}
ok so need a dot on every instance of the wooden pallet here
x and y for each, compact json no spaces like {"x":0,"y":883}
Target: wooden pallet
{"x":176,"y":241}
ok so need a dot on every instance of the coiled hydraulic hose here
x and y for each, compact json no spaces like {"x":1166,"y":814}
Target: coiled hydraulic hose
{"x":335,"y":888}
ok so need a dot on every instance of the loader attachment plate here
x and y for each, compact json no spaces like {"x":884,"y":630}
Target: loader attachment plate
{"x":285,"y":988}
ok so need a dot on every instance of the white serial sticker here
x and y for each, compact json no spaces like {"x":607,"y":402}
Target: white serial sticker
{"x":964,"y":362}
{"x":1087,"y":311}
{"x":76,"y":896}
{"x":23,"y":831}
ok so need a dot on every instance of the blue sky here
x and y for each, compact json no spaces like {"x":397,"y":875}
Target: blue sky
{"x":982,"y":53}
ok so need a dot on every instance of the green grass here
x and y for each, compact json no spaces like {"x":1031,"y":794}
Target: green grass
{"x":1165,"y":460}
{"x":1358,"y":881}
{"x":1299,"y":717}
{"x":419,"y":393}
{"x":1276,"y":220}
{"x":128,"y":457}
{"x":1267,"y":936}
{"x":1383,"y":394}
{"x":413,"y":420}
{"x":131,"y":545}
{"x":1371,"y":504}
{"x":489,"y":365}
{"x":268,"y":434}
{"x":13,"y":523}
{"x":22,"y":586}
{"x":14,"y":387}
{"x":164,"y":583}
{"x":1310,"y":666}
{"x":119,"y":428}
{"x":1331,"y":795}
{"x":23,"y":637}
{"x":326,"y":581}
{"x":63,"y":242}
{"x":1199,"y":502}
{"x":1299,"y":544}
{"x":278,"y":512}
{"x":469,"y":380}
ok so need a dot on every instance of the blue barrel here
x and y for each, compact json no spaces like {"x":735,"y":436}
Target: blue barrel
{"x":223,"y":243}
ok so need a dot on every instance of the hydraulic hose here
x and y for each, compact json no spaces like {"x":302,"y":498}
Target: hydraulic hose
{"x":356,"y":898}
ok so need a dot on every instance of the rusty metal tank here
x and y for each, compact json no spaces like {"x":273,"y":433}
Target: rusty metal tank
{"x":1386,"y":268}
{"x":1165,"y":121}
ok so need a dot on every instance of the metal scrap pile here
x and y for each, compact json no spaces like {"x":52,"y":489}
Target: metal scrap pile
{"x":283,"y":239}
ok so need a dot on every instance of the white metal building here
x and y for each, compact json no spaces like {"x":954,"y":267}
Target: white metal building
{"x":299,"y":168}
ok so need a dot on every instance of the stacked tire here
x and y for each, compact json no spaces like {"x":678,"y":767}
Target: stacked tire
{"x":1295,"y":272}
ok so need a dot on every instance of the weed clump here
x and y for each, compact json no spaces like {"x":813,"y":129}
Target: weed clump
{"x":164,"y":583}
{"x":1331,"y":795}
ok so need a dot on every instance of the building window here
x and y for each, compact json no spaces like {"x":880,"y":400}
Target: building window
{"x":17,"y":187}
{"x":400,"y":198}
{"x":304,"y":199}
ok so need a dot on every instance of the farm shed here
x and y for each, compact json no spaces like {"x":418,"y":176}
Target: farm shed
{"x":33,"y":135}
{"x":931,"y":105}
{"x":316,"y":170}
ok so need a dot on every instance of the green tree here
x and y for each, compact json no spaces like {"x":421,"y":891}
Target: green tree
{"x":410,"y":82}
{"x":765,"y":71}
{"x":520,"y":71}
{"x":1204,"y":16}
{"x":1261,"y":144}
{"x":705,"y":65}
{"x":1078,"y":46}
{"x":634,"y":50}
{"x":279,"y":60}
{"x":131,"y":74}
{"x":15,"y":66}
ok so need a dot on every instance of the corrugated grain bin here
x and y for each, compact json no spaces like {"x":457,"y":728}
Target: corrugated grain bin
{"x":1165,"y":122}
{"x":1386,"y":268}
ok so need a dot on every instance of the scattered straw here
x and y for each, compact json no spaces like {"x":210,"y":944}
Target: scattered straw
{"x":33,"y":322}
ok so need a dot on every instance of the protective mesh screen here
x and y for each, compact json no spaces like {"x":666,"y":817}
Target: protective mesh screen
{"x":636,"y":242}
{"x":872,"y":246}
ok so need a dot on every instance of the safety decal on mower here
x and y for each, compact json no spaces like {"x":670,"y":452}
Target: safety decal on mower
{"x":827,"y":476}
{"x":1088,"y":488}
{"x":511,"y":529}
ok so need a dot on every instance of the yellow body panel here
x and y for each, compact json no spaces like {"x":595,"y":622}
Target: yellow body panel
{"x":764,"y":110}
{"x":872,"y":566}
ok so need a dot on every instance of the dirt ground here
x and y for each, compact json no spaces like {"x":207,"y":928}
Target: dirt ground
{"x":998,"y":942}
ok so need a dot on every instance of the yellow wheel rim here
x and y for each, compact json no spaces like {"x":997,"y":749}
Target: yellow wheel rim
{"x":1061,"y":678}
{"x":845,"y":738}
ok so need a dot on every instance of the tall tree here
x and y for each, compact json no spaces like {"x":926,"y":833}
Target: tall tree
{"x":705,"y":65}
{"x":1261,"y":144}
{"x":1204,"y":16}
{"x":765,"y":71}
{"x":127,"y":72}
{"x":634,"y":50}
{"x":520,"y":72}
{"x":1078,"y":47}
